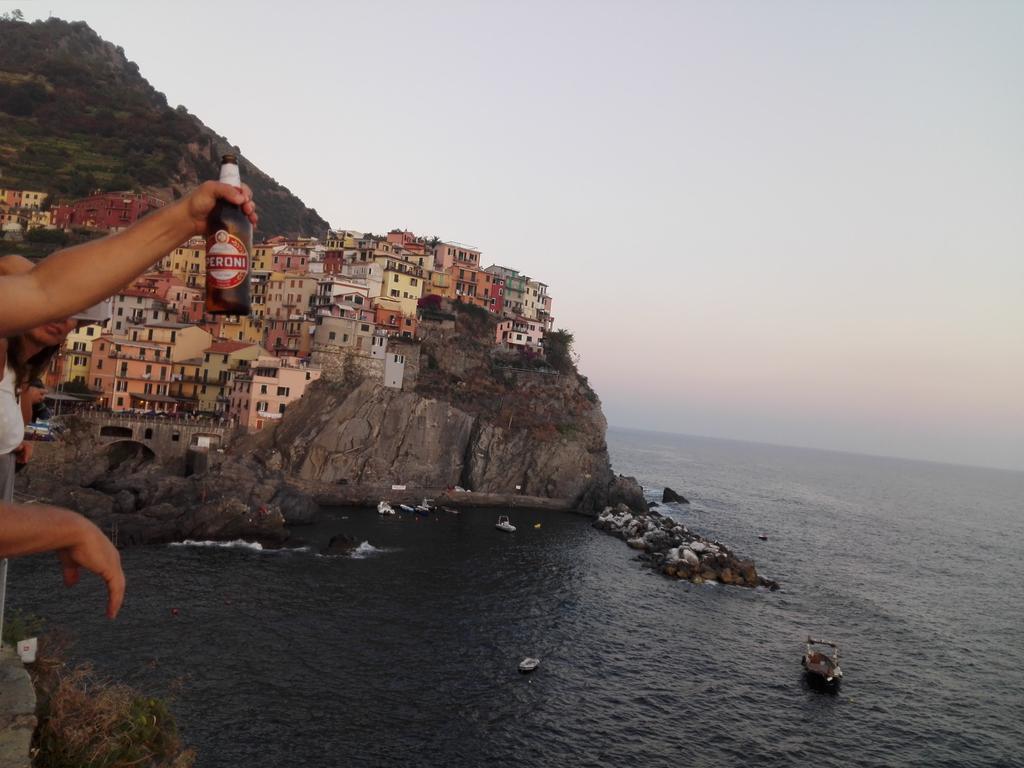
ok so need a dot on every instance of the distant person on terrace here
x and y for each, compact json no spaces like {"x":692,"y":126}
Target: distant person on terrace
{"x":67,"y":282}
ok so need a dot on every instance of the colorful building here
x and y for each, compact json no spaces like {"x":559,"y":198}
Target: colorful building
{"x":78,"y":353}
{"x":403,"y":281}
{"x":220,"y":361}
{"x":187,"y":262}
{"x":135,"y":373}
{"x":520,"y":333}
{"x":263,"y":392}
{"x":105,"y":210}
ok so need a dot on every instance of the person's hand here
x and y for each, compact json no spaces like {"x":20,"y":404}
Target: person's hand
{"x":201,"y":200}
{"x":23,"y":453}
{"x":94,"y":552}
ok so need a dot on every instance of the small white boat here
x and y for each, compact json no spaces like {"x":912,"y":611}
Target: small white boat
{"x":383,"y":508}
{"x":529,"y":664}
{"x":504,"y":525}
{"x":406,"y":508}
{"x":426,"y":507}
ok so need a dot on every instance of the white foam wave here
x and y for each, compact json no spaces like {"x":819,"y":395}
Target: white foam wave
{"x":366,"y":549}
{"x":236,"y":544}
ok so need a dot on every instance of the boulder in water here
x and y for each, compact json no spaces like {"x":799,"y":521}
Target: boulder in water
{"x":668,"y":495}
{"x":340,"y":544}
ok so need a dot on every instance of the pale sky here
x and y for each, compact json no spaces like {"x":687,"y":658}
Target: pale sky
{"x":791,"y":222}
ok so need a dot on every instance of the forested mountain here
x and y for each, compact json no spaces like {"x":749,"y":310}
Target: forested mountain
{"x":76,"y":115}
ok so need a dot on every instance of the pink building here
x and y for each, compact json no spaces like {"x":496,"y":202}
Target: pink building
{"x":263,"y":393}
{"x":520,"y":333}
{"x":290,"y":259}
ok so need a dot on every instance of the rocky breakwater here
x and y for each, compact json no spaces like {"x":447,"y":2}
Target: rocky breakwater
{"x":679,"y":553}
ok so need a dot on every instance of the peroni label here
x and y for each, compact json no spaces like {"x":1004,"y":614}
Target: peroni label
{"x":227,"y":261}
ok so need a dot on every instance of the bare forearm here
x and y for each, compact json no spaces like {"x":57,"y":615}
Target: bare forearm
{"x":75,"y":278}
{"x":79,"y":277}
{"x":29,"y":528}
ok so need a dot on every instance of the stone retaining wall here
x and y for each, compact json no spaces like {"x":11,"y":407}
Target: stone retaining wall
{"x":17,"y":711}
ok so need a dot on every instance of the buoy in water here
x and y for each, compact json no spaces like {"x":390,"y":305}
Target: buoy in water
{"x":536,"y":525}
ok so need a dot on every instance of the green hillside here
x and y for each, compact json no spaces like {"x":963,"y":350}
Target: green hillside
{"x":76,"y":115}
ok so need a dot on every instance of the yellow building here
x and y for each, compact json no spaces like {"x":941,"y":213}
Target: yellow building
{"x":439,"y":284}
{"x":342,"y":239}
{"x":186,"y":381}
{"x":403,"y":281}
{"x":219,"y":362}
{"x":289,"y":294}
{"x":31,"y":199}
{"x":41,"y":220}
{"x":241,"y":328}
{"x":187,"y":263}
{"x":78,"y":352}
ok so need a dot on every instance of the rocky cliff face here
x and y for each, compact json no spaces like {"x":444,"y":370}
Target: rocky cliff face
{"x":470,"y":420}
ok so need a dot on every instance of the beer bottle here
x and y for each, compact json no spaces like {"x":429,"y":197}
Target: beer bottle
{"x":228,"y":250}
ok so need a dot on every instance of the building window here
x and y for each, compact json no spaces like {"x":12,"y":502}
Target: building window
{"x":120,"y":401}
{"x":331,"y":336}
{"x":263,"y":389}
{"x":282,"y":391}
{"x":99,"y":365}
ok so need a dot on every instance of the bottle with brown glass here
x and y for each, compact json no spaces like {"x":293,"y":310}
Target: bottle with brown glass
{"x":228,"y":250}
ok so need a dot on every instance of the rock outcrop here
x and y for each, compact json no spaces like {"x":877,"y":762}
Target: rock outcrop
{"x":469,"y":421}
{"x":677,"y":552}
{"x":669,"y":496}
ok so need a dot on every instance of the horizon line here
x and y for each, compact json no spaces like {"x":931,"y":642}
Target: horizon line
{"x":918,"y":460}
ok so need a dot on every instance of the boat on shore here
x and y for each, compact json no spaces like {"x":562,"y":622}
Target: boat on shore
{"x":503,"y":524}
{"x":821,"y":666}
{"x":383,"y":508}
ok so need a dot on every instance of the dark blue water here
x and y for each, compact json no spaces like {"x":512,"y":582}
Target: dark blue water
{"x":407,"y":655}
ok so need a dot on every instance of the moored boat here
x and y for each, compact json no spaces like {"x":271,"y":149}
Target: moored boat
{"x":383,"y":508}
{"x":529,"y":664}
{"x":406,"y":508}
{"x":821,"y":667}
{"x":503,"y":524}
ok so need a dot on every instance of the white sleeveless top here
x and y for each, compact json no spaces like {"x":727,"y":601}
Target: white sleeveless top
{"x":12,"y":423}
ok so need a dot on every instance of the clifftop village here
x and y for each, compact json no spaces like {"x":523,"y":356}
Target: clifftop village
{"x":319,"y":307}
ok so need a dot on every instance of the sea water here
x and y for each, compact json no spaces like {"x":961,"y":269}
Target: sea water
{"x":406,"y":652}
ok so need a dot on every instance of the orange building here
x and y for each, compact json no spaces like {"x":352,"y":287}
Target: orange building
{"x":136,"y":374}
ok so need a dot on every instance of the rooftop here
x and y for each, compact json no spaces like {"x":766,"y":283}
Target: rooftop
{"x":227,"y":347}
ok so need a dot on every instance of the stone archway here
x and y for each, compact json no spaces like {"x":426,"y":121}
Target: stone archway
{"x":127,"y":454}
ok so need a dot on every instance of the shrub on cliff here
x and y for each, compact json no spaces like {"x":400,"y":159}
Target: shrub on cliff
{"x":88,"y":722}
{"x":558,"y":350}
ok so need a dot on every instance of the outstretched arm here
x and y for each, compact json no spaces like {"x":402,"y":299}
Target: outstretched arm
{"x":29,"y":528}
{"x":75,"y":278}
